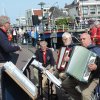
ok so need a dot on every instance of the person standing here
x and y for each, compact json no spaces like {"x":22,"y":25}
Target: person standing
{"x":14,"y":36}
{"x":93,"y":32}
{"x":86,"y":90}
{"x":6,"y":48}
{"x":97,"y":24}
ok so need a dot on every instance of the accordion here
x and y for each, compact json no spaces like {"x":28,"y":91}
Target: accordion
{"x":61,"y":63}
{"x":78,"y":63}
{"x":15,"y":85}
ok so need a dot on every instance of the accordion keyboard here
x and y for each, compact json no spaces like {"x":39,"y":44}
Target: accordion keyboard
{"x":87,"y":71}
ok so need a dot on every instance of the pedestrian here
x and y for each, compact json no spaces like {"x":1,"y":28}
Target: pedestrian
{"x":97,"y":24}
{"x":93,"y":32}
{"x":14,"y":34}
{"x":6,"y":48}
{"x":86,"y":90}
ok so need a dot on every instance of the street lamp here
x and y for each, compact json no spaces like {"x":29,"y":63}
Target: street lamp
{"x":42,"y":5}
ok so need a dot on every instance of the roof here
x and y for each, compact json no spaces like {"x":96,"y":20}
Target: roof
{"x":37,"y":12}
{"x":56,"y":12}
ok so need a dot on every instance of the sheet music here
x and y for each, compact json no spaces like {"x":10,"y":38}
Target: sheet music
{"x":19,"y":76}
{"x":37,"y":64}
{"x":52,"y":78}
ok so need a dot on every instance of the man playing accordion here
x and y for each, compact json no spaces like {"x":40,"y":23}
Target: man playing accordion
{"x":86,"y":89}
{"x":61,"y":64}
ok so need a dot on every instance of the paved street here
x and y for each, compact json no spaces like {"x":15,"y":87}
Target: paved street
{"x":24,"y":56}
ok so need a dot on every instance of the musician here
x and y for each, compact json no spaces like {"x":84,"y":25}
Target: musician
{"x":45,"y":56}
{"x":85,"y":90}
{"x":67,"y":41}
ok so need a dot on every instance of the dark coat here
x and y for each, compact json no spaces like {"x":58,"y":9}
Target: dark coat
{"x":6,"y":47}
{"x":96,"y":50}
{"x":49,"y":57}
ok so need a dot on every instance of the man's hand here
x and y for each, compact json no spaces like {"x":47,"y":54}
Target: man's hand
{"x":51,"y":70}
{"x":92,"y":67}
{"x":66,"y":59}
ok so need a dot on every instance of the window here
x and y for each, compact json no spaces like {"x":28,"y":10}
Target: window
{"x":92,"y":9}
{"x":85,"y":10}
{"x":98,"y":9}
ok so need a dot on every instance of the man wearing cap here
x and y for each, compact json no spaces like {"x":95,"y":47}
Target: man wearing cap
{"x":45,"y":56}
{"x":5,"y":46}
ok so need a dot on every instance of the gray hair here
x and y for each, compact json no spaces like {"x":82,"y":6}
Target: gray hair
{"x":96,"y":23}
{"x":4,"y":20}
{"x":67,"y":35}
{"x":69,"y":38}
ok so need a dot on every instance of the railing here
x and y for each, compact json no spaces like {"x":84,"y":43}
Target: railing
{"x":68,"y":27}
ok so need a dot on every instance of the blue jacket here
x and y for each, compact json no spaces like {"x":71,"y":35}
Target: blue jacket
{"x":5,"y":47}
{"x":96,"y":50}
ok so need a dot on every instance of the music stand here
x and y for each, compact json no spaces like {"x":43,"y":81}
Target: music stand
{"x":28,"y":64}
{"x":50,"y":77}
{"x":40,"y":68}
{"x":15,"y":85}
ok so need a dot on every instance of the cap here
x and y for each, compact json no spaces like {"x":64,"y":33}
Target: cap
{"x":3,"y":20}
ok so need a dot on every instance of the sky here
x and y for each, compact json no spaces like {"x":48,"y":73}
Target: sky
{"x":17,"y":8}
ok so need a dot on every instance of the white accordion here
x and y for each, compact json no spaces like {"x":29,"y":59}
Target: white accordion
{"x":78,"y":64}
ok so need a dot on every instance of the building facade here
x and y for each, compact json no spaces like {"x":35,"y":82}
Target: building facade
{"x":85,"y":9}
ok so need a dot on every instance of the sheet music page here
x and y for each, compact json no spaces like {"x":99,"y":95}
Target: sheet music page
{"x":37,"y":64}
{"x":11,"y":68}
{"x":53,"y":78}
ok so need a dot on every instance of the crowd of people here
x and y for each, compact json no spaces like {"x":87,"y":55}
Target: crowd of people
{"x":45,"y":56}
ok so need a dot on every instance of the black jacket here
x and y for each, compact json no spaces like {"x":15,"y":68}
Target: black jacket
{"x":49,"y":57}
{"x":95,"y":49}
{"x":6,"y":47}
